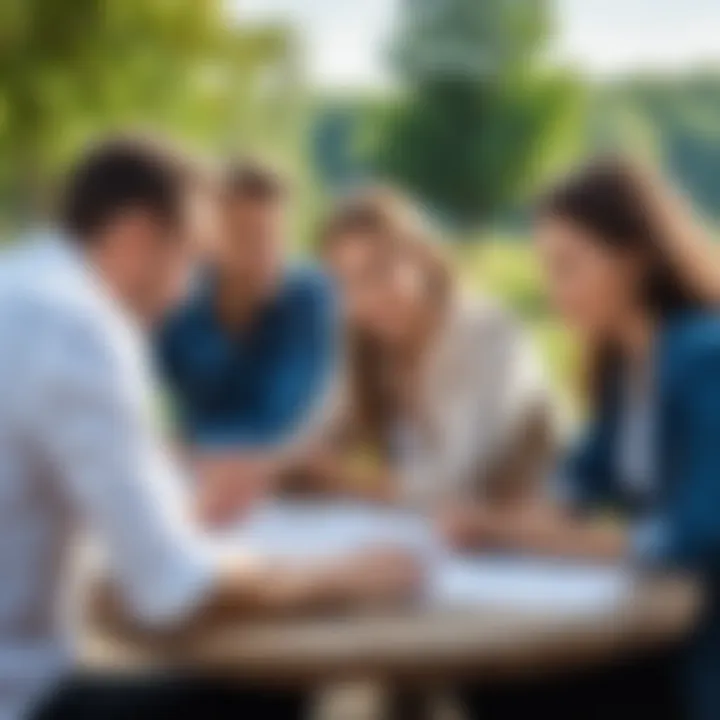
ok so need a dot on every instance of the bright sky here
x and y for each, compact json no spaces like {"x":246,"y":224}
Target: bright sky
{"x":346,"y":39}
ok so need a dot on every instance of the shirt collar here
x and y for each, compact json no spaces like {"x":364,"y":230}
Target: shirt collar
{"x":205,"y":293}
{"x":67,"y":253}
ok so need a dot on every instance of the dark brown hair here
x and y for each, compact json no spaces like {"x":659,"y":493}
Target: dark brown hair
{"x":120,"y":174}
{"x":376,"y":211}
{"x":252,"y":179}
{"x":393,"y":225}
{"x":627,"y":209}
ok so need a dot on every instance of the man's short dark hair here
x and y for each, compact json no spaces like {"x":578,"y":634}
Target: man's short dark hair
{"x":118,"y":175}
{"x":251,"y":179}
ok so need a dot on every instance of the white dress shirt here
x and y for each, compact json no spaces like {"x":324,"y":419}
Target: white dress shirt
{"x":79,"y":450}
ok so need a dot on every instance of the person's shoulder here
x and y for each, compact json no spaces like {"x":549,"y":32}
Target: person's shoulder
{"x":188,"y":315}
{"x":694,"y":331}
{"x":693,"y":337}
{"x":307,"y":280}
{"x":485,"y":320}
{"x":40,"y":285}
{"x":50,"y":313}
{"x":306,"y":286}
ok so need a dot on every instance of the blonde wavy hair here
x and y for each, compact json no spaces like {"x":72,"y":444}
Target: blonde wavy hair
{"x":396,"y":228}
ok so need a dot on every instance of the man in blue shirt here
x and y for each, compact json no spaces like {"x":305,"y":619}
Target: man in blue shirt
{"x":249,"y":356}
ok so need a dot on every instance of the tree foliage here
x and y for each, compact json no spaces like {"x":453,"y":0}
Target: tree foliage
{"x":72,"y":68}
{"x":481,"y":119}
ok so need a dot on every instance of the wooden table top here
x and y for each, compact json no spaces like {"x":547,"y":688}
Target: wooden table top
{"x":408,"y":645}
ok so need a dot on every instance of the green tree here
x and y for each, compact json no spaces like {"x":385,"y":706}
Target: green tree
{"x":70,"y":69}
{"x":481,"y":120}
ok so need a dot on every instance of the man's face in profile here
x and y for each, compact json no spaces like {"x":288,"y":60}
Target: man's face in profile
{"x":151,"y":261}
{"x":253,"y":247}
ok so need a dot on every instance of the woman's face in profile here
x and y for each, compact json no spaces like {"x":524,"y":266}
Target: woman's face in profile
{"x":592,"y":285}
{"x":382,"y":292}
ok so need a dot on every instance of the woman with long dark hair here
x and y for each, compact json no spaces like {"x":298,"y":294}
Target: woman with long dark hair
{"x":638,"y":285}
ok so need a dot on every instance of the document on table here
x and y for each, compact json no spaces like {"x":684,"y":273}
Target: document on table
{"x":527,"y":584}
{"x":310,"y":530}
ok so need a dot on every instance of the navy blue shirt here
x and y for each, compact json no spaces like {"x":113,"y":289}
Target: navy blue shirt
{"x":677,"y":525}
{"x":252,"y":388}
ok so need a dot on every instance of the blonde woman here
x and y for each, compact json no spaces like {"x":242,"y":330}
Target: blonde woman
{"x":443,"y":391}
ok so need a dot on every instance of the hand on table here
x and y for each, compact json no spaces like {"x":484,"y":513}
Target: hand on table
{"x":531,"y":528}
{"x":474,"y":526}
{"x":466,"y":527}
{"x":229,"y":483}
{"x":376,"y":576}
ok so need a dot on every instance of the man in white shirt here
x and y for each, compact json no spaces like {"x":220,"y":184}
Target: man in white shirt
{"x":80,"y":450}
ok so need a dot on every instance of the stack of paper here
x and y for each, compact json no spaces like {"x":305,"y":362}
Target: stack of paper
{"x":309,"y":530}
{"x":527,"y":583}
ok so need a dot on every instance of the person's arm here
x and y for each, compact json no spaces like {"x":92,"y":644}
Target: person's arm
{"x":519,"y":473}
{"x":259,"y":587}
{"x":329,"y":470}
{"x":89,"y":421}
{"x":683,"y":531}
{"x":558,"y":521}
{"x":539,"y":529}
{"x":335,"y":461}
{"x":515,"y":484}
{"x":509,"y":409}
{"x":524,"y":413}
{"x":562,"y":522}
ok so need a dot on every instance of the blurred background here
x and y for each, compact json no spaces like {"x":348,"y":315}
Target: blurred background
{"x":471,"y":105}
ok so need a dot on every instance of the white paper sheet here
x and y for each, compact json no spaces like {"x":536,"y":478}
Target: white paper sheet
{"x":527,"y":583}
{"x":331,"y":529}
{"x":303,"y":530}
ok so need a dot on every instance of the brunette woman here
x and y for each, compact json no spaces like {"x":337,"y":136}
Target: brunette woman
{"x":638,"y":285}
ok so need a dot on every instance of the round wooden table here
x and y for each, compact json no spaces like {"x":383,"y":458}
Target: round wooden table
{"x":406,"y":646}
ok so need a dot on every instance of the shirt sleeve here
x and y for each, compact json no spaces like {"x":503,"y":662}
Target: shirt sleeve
{"x":91,"y":418}
{"x":685,"y":531}
{"x":649,"y":540}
